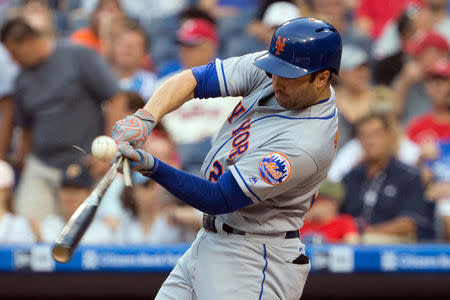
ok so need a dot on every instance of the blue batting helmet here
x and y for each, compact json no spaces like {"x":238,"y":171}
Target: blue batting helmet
{"x":300,"y":47}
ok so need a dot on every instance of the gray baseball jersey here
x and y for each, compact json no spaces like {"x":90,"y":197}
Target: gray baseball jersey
{"x":278,"y":157}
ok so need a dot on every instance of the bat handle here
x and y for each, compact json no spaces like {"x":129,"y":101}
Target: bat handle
{"x":126,"y":172}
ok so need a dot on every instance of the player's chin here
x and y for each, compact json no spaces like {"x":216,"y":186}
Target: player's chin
{"x":289,"y":104}
{"x":284,"y":101}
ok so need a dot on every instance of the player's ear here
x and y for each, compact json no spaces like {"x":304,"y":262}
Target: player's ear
{"x":322,"y":79}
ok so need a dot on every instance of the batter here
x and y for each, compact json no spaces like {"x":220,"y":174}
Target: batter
{"x":264,"y":168}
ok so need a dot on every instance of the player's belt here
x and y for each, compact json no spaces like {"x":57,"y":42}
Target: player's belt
{"x":209,"y":224}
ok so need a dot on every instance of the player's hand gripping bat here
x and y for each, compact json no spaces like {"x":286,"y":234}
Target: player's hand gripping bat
{"x":73,"y":231}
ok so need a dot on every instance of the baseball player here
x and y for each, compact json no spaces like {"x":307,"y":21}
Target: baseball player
{"x":263,"y":170}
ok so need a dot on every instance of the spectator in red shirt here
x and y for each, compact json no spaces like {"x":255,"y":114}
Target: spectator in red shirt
{"x":435,"y":124}
{"x":323,"y":224}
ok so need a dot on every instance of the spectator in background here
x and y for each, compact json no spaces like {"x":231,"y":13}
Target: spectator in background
{"x":436,"y":16}
{"x":104,"y":20}
{"x":385,"y":195}
{"x":431,"y":131}
{"x":353,"y":92}
{"x":371,"y":16}
{"x":391,"y":48}
{"x":198,"y":40}
{"x":8,"y":73}
{"x":335,"y":13}
{"x":148,"y":224}
{"x":159,"y":18}
{"x":351,"y":153}
{"x":324,"y":224}
{"x":129,"y":53}
{"x":434,"y":125}
{"x":259,"y":33}
{"x":76,"y":187}
{"x":227,"y":8}
{"x":39,"y":15}
{"x":148,"y":11}
{"x":149,"y":208}
{"x":193,"y":125}
{"x":426,"y":49}
{"x":58,"y":103}
{"x":13,"y":229}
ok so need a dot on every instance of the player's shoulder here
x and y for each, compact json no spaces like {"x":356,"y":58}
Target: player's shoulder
{"x":325,"y":109}
{"x":240,"y":63}
{"x":316,"y":126}
{"x":249,"y":57}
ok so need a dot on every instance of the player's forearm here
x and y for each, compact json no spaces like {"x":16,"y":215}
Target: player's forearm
{"x":172,"y":94}
{"x":401,"y":226}
{"x":212,"y":198}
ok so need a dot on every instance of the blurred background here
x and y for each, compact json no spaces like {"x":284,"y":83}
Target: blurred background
{"x":380,"y":227}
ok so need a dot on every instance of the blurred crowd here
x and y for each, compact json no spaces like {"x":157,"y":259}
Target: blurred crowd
{"x":70,"y":69}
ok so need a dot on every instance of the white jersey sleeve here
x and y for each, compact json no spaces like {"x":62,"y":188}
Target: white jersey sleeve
{"x":238,"y":76}
{"x":266,"y":173}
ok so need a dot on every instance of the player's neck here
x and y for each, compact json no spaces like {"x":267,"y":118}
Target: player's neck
{"x":324,"y":94}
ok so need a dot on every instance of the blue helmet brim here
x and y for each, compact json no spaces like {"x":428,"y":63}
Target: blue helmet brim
{"x":276,"y":66}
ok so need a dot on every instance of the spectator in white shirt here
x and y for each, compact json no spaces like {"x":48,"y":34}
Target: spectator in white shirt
{"x":75,"y":189}
{"x":13,"y":229}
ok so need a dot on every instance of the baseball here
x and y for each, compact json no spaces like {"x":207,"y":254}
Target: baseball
{"x":103,"y":148}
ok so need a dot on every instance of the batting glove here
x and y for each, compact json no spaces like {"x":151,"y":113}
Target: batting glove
{"x":130,"y":133}
{"x":145,"y":164}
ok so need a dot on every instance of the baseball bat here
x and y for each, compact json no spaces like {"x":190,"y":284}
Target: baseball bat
{"x":74,"y":229}
{"x":126,"y":172}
